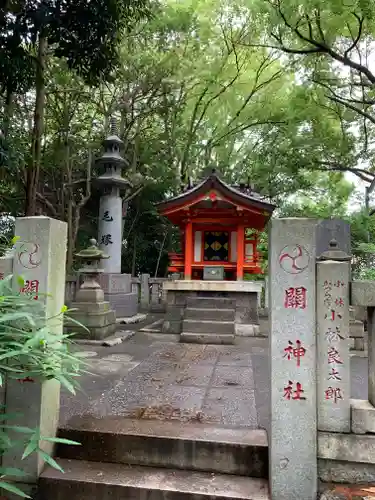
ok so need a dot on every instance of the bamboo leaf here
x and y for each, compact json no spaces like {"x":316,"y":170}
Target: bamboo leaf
{"x":13,"y":489}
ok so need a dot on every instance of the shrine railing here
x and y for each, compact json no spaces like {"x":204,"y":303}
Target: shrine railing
{"x":149,"y":291}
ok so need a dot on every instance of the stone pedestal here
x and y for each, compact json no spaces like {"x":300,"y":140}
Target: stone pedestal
{"x":118,"y":292}
{"x":242,"y":293}
{"x":293,"y":440}
{"x":39,"y":257}
{"x":98,"y":318}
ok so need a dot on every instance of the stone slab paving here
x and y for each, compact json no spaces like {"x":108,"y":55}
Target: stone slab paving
{"x":153,"y":376}
{"x":148,"y":377}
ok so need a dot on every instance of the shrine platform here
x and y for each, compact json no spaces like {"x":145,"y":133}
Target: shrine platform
{"x":212,"y":312}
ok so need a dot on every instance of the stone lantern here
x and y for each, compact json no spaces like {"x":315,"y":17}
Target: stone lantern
{"x":116,"y":286}
{"x":91,"y":257}
{"x":89,"y":308}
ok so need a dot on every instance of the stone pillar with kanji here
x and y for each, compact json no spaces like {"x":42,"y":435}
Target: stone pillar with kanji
{"x":293,"y":436}
{"x":39,"y":258}
{"x":117,"y":286}
{"x":333,"y":358}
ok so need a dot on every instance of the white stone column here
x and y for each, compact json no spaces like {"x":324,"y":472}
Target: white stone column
{"x":266,"y":291}
{"x":333,"y":362}
{"x":6,"y":266}
{"x":39,"y":257}
{"x":110,"y":230}
{"x":293,"y":448}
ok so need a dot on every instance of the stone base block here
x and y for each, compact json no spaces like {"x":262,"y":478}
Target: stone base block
{"x":116,"y":283}
{"x":363,"y":293}
{"x":243,"y":330}
{"x":97,"y":324}
{"x":363,"y":417}
{"x":346,"y":447}
{"x":356,"y":328}
{"x":207,"y":338}
{"x":172,"y":326}
{"x":337,"y":471}
{"x":359,"y":344}
{"x":90,"y":307}
{"x":124,"y":304}
{"x":200,"y":326}
{"x":240,"y":296}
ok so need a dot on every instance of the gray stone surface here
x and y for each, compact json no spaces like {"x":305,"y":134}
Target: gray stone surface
{"x":293,"y":469}
{"x":169,"y":444}
{"x":88,"y":480}
{"x":114,"y":283}
{"x":40,"y":255}
{"x":333,"y":362}
{"x":199,"y":326}
{"x":207,"y":338}
{"x":336,"y":471}
{"x":124,"y":304}
{"x":363,"y":416}
{"x":346,"y":447}
{"x":371,"y":354}
{"x":209,"y":314}
{"x":363,"y":293}
{"x":110,"y":230}
{"x":168,"y":381}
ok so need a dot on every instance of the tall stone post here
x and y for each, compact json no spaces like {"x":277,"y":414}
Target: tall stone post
{"x":293,"y":449}
{"x":117,"y":287}
{"x":39,"y":257}
{"x":333,"y":362}
{"x":6,"y":266}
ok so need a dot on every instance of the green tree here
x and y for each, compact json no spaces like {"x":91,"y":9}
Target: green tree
{"x":32,"y":31}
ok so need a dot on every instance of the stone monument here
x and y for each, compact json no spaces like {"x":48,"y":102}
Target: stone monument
{"x":117,"y":287}
{"x":92,"y":311}
{"x":293,"y":441}
{"x":39,"y":257}
{"x":333,"y":361}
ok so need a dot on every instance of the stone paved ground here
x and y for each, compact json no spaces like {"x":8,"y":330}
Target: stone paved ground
{"x":152,"y":376}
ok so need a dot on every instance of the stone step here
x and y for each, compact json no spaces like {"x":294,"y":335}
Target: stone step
{"x":195,"y":313}
{"x":171,"y":444}
{"x":207,"y":338}
{"x":210,"y":303}
{"x":96,"y":480}
{"x":207,"y":326}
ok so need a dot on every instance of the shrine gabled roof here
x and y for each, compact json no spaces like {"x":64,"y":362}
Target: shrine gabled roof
{"x":213,"y":182}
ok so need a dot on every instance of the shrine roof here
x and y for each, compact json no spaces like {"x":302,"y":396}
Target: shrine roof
{"x":249,"y":198}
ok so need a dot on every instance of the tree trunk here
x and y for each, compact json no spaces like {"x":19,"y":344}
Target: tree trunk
{"x":134,"y":259}
{"x":160,"y":253}
{"x":33,"y":168}
{"x":8,"y":112}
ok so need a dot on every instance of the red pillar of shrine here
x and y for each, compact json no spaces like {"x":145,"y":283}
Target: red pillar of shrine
{"x":188,"y":249}
{"x":240,"y":251}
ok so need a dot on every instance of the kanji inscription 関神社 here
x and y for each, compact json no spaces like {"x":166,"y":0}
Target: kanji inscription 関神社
{"x":295,"y":298}
{"x":294,"y":391}
{"x":296,"y":351}
{"x":31,"y":287}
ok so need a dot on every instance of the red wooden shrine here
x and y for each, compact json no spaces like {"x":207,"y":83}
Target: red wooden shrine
{"x":219,"y":226}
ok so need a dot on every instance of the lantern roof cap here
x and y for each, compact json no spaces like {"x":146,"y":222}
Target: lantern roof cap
{"x":92,"y":252}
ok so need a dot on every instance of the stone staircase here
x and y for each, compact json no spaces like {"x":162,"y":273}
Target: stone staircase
{"x":137,"y":459}
{"x":209,"y":320}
